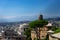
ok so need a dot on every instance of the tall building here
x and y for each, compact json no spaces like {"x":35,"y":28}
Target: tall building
{"x":41,"y":17}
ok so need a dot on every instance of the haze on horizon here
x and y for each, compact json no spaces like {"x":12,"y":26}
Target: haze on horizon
{"x":23,"y":10}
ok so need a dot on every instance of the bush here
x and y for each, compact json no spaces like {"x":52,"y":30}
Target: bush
{"x":57,"y":31}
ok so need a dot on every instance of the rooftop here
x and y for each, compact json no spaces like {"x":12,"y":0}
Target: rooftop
{"x":50,"y":31}
{"x":49,"y":24}
{"x":57,"y":35}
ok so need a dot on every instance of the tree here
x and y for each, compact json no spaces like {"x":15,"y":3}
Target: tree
{"x":54,"y":28}
{"x":57,"y":30}
{"x":38,"y":24}
{"x":28,"y":33}
{"x":47,"y":37}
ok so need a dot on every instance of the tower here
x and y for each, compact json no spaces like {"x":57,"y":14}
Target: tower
{"x":40,"y":17}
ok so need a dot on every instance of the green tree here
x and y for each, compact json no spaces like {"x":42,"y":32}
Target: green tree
{"x":38,"y":24}
{"x":28,"y":33}
{"x":54,"y":28}
{"x":47,"y":37}
{"x":57,"y":30}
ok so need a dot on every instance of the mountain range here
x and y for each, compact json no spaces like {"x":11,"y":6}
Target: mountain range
{"x":54,"y":19}
{"x":18,"y":20}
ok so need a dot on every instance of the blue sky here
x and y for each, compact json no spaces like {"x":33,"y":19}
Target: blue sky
{"x":22,"y":10}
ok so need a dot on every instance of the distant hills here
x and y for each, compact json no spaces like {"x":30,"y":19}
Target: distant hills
{"x":55,"y":19}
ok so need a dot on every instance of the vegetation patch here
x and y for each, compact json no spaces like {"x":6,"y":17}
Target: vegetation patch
{"x":57,"y":31}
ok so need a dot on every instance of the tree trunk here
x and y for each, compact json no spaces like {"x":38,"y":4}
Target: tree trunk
{"x":39,"y":33}
{"x":36,"y":33}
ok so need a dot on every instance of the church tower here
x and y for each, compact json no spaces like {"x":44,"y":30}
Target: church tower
{"x":40,"y":17}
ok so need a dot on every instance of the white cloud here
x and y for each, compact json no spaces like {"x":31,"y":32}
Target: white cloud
{"x":7,"y":17}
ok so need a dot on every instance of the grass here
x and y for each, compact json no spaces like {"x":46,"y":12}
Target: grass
{"x":57,"y":31}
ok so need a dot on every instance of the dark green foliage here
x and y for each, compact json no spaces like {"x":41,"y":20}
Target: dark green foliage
{"x":29,"y":38}
{"x":54,"y":28}
{"x":35,"y":39}
{"x":47,"y":37}
{"x":38,"y":23}
{"x":34,"y":25}
{"x":28,"y":33}
{"x":57,"y":31}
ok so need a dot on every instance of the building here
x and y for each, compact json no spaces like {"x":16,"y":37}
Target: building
{"x":21,"y":29}
{"x":11,"y":35}
{"x":54,"y":36}
{"x":49,"y":26}
{"x":40,"y":17}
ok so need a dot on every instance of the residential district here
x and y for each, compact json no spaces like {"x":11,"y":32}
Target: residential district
{"x":15,"y":31}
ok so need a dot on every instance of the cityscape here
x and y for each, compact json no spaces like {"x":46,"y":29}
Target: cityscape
{"x":29,"y":19}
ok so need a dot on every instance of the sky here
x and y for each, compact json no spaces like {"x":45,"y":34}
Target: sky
{"x":28,"y":10}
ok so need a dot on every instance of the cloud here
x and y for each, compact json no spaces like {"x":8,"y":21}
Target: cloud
{"x":7,"y":17}
{"x":19,"y":16}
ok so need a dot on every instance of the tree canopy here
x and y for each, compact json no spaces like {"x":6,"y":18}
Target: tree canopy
{"x":28,"y":33}
{"x":57,"y":31}
{"x":34,"y":24}
{"x":38,"y":23}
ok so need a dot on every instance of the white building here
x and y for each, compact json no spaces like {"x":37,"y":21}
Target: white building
{"x":20,"y":30}
{"x":49,"y":25}
{"x":54,"y":36}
